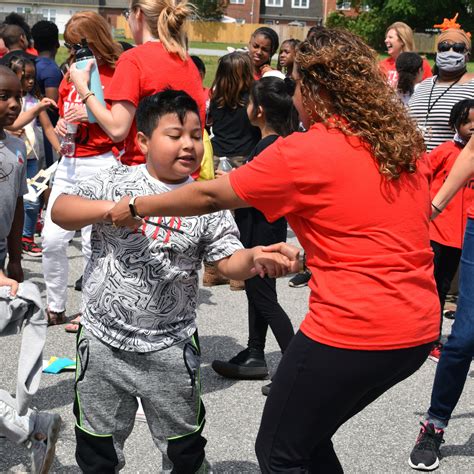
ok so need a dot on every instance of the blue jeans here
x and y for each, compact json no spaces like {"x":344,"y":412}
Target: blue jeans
{"x":31,"y":208}
{"x":457,"y":353}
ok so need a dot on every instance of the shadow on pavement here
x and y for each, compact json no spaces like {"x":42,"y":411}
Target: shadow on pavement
{"x":466,"y":449}
{"x":58,"y":395}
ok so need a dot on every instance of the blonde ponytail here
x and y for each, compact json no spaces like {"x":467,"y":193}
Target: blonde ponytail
{"x":166,"y":20}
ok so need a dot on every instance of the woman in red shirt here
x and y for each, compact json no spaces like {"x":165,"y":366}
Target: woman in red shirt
{"x":355,"y":190}
{"x":94,"y":151}
{"x":399,"y":39}
{"x":159,"y":62}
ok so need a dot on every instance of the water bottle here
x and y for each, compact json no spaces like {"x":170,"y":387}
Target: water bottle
{"x":68,"y":143}
{"x":224,"y":164}
{"x":83,"y":56}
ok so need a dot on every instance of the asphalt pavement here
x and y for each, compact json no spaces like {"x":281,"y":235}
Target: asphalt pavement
{"x":378,"y":440}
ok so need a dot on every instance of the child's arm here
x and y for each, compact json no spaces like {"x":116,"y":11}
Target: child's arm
{"x":26,"y":117}
{"x":74,"y":212}
{"x":5,"y":281}
{"x":247,"y":263}
{"x":49,"y":131}
{"x":14,"y":269}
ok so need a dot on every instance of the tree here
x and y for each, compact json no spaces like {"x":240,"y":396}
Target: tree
{"x":211,"y":9}
{"x":421,"y":15}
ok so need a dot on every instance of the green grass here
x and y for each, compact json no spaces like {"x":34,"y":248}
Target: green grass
{"x":209,"y":45}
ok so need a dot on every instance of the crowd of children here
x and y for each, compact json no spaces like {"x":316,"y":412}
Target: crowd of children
{"x":127,"y":185}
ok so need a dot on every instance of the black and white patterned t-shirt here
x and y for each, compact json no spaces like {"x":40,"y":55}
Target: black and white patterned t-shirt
{"x":140,"y":288}
{"x":435,"y":123}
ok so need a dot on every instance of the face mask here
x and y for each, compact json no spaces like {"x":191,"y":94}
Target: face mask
{"x":450,"y":61}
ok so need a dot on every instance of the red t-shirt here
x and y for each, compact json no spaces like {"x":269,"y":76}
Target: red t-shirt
{"x":366,"y":239}
{"x":389,"y":68}
{"x":144,"y":71}
{"x":90,"y":140}
{"x":448,"y":228}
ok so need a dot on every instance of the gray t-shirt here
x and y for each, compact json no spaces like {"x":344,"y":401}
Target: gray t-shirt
{"x":140,"y":288}
{"x":12,"y":185}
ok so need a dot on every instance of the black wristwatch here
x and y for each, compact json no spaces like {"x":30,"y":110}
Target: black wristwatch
{"x":133,"y":209}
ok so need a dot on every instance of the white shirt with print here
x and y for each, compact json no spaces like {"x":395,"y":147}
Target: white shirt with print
{"x":140,"y":288}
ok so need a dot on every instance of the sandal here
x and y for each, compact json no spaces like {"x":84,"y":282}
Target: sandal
{"x":55,"y":318}
{"x":74,"y":324}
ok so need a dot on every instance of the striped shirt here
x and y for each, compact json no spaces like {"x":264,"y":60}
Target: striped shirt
{"x":434,"y":124}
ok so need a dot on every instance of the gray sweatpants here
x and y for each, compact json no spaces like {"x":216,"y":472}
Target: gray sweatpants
{"x":108,"y":383}
{"x":24,"y":311}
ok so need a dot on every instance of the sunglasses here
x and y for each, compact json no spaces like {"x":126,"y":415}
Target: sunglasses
{"x":456,"y":47}
{"x":75,"y":47}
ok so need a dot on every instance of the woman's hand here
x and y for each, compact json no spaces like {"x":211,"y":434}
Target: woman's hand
{"x":81,"y":77}
{"x":60,"y":128}
{"x":289,"y":251}
{"x":76,"y":113}
{"x":120,"y":215}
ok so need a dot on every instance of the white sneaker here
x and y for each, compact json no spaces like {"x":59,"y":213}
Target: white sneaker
{"x":42,"y":441}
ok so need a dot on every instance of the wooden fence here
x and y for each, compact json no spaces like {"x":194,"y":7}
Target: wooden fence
{"x":236,"y":33}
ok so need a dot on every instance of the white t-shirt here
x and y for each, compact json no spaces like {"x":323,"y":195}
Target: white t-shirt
{"x":140,"y":288}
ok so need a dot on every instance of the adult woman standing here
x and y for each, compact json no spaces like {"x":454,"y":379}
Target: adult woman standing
{"x":399,"y":39}
{"x":434,"y":98}
{"x":160,"y":61}
{"x":360,"y":151}
{"x":94,"y":151}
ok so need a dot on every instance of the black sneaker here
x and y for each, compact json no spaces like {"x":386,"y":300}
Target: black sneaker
{"x":78,"y":284}
{"x":300,"y":279}
{"x":266,"y":389}
{"x":425,"y":455}
{"x":248,"y":364}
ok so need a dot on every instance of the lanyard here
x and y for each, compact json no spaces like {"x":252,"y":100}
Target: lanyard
{"x":431,"y":105}
{"x":424,"y":129}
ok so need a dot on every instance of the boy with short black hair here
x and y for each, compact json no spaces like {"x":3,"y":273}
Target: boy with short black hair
{"x":139,"y":337}
{"x":36,"y":430}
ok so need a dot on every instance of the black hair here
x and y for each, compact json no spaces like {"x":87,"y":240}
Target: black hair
{"x":18,"y":64}
{"x":275,"y":96}
{"x":11,"y":35}
{"x":46,"y":36}
{"x":125,"y":45}
{"x":271,"y":35}
{"x":408,"y":65}
{"x":19,"y":20}
{"x":152,"y":108}
{"x":199,"y":63}
{"x":460,"y":113}
{"x":313,"y":31}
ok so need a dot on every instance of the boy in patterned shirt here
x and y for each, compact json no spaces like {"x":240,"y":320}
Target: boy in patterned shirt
{"x":139,"y":336}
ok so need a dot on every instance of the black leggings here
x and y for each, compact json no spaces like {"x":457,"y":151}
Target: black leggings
{"x":264,"y":311}
{"x":316,"y":389}
{"x":446,"y":262}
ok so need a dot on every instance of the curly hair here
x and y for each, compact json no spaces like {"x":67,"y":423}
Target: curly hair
{"x":361,"y":101}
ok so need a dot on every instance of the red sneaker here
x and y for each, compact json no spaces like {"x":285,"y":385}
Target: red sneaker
{"x":30,"y":247}
{"x":435,"y":353}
